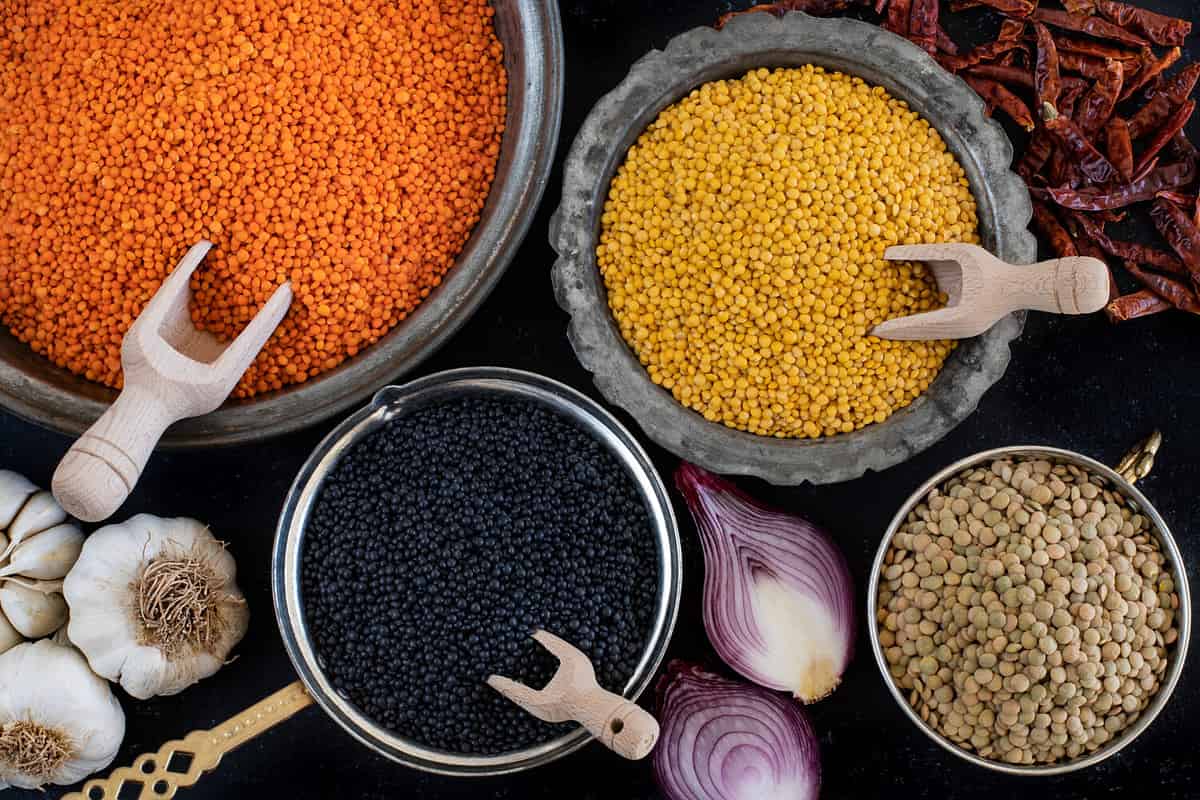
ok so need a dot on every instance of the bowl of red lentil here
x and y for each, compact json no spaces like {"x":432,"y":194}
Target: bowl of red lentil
{"x":725,"y":210}
{"x":387,"y":162}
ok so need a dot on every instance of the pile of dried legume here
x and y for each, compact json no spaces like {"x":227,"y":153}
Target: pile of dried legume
{"x":742,"y":248}
{"x":348,"y":147}
{"x":440,"y":542}
{"x":1027,"y":611}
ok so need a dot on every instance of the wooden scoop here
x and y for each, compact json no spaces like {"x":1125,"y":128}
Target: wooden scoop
{"x":171,"y":371}
{"x":573,"y":694}
{"x":983,"y":289}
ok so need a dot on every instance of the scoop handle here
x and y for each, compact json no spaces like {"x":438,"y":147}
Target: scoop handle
{"x":100,"y":470}
{"x":155,"y":776}
{"x":1071,"y":285}
{"x":621,"y":725}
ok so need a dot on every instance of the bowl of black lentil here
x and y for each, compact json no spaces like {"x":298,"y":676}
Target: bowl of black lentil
{"x":430,"y":533}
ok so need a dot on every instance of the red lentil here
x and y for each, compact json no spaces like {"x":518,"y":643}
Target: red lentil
{"x":346,"y":146}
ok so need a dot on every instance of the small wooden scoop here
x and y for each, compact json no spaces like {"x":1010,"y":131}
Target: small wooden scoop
{"x":573,"y":694}
{"x":983,"y":289}
{"x":171,"y":371}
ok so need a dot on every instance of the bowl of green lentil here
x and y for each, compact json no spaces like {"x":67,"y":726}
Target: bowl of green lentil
{"x":720,"y":238}
{"x":1032,"y":611}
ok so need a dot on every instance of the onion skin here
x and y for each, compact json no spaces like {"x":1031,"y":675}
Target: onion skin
{"x":723,"y":740}
{"x":778,"y":596}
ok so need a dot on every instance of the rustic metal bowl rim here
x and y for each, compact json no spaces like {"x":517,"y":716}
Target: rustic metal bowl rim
{"x":1178,"y":571}
{"x":760,"y":40}
{"x":34,"y":389}
{"x":388,"y":403}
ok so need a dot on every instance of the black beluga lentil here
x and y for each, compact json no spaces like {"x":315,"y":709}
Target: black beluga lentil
{"x":439,"y":542}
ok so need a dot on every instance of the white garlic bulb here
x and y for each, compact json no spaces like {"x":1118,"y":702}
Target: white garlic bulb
{"x":38,"y":546}
{"x":59,"y":722}
{"x":154,"y":605}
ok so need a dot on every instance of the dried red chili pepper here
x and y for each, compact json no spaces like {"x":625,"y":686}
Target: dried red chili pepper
{"x":1092,"y":26}
{"x":1037,"y":153}
{"x":898,"y":13}
{"x":1119,"y":146}
{"x":1185,"y":200}
{"x":1150,"y":70}
{"x":944,"y":43}
{"x":1087,"y":66}
{"x":923,"y":25}
{"x":1173,"y":91}
{"x":1080,"y":6}
{"x":1158,"y":28}
{"x":976,"y":55}
{"x":1010,"y":29}
{"x":818,"y":8}
{"x":1178,"y":87}
{"x":1071,"y":138}
{"x":1181,"y":233}
{"x":1174,"y":124}
{"x":1018,"y":8}
{"x":1142,"y":303}
{"x":997,"y":96}
{"x":1093,"y":231}
{"x":1046,"y":76}
{"x":1090,"y":47}
{"x":1050,"y":227}
{"x":1012,"y":76}
{"x":880,"y":6}
{"x":1097,"y":105}
{"x":1171,"y":176}
{"x":1083,"y":243}
{"x":1175,"y":292}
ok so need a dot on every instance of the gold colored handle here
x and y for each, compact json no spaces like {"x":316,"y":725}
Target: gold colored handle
{"x":1138,"y":462}
{"x":181,"y":762}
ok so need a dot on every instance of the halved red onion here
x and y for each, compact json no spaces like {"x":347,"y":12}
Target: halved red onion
{"x":778,"y":597}
{"x":723,"y":740}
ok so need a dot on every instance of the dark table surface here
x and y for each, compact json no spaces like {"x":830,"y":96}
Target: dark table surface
{"x":1074,"y":383}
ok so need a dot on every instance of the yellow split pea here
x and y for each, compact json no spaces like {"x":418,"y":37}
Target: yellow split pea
{"x":742,"y":248}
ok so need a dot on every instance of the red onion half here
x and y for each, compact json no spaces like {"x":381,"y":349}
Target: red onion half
{"x":723,"y":740}
{"x":778,"y":597}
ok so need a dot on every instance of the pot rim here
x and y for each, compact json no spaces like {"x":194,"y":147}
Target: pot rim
{"x":386,"y":405}
{"x":1179,"y":573}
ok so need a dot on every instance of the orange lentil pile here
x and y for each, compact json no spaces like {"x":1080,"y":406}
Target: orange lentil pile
{"x":346,"y":145}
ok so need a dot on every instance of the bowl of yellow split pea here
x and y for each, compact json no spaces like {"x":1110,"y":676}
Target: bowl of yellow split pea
{"x":721,"y":233}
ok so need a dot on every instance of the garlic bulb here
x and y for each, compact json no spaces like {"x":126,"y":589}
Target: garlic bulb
{"x":38,"y":546}
{"x":154,"y":605}
{"x":59,"y":722}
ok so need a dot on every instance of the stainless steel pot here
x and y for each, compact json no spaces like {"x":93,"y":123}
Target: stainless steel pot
{"x":34,"y":388}
{"x":1133,"y":467}
{"x":206,"y":747}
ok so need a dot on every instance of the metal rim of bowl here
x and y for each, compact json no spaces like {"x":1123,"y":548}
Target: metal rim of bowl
{"x":1178,"y":571}
{"x":35,"y":389}
{"x":386,"y":405}
{"x":761,"y":40}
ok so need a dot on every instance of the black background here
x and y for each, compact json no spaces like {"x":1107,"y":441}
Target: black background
{"x":1074,"y":383}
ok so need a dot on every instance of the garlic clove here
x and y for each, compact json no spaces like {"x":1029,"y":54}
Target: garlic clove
{"x":35,"y":614}
{"x":10,"y":637}
{"x":14,"y":491}
{"x":47,"y":555}
{"x":49,"y":687}
{"x":40,"y":512}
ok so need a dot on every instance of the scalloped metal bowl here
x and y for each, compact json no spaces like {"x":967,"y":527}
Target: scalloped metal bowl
{"x":749,"y":42}
{"x":34,"y":388}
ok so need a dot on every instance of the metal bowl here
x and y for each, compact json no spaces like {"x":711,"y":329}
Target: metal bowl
{"x":749,"y":42}
{"x":530,"y":30}
{"x":395,"y":401}
{"x":1137,"y":501}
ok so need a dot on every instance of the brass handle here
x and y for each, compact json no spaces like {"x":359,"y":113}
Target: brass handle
{"x":159,"y":775}
{"x":1138,"y":462}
